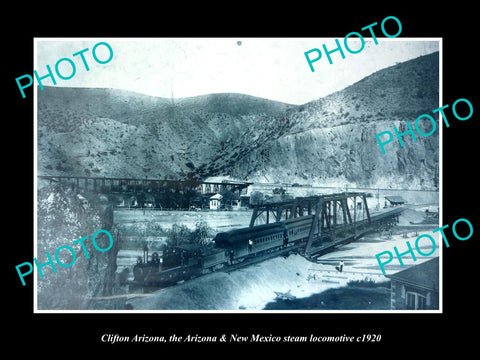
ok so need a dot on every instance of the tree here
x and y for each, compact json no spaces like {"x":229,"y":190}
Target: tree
{"x":202,"y":234}
{"x":178,"y":235}
{"x":256,"y":198}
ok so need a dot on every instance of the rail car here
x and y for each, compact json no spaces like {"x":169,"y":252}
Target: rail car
{"x":179,"y":263}
{"x":241,"y":243}
{"x":299,"y":228}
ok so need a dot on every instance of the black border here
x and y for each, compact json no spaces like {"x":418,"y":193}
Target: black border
{"x":401,"y":333}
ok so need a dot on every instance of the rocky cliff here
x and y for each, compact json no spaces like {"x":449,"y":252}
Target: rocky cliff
{"x":62,"y":219}
{"x":332,"y":139}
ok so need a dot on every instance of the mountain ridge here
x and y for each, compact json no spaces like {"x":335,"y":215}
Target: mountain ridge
{"x":109,"y":132}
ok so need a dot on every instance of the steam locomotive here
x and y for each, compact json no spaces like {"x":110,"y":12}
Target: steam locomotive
{"x":184,"y":262}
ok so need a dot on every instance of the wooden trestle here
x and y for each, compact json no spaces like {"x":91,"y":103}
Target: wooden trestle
{"x":132,"y":185}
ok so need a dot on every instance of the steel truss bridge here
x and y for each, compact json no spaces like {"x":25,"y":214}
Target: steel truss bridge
{"x":337,"y":218}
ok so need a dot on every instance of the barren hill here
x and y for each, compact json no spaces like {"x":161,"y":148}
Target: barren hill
{"x":108,"y":132}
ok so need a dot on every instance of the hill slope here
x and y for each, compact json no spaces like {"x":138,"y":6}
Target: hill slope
{"x":107,"y":132}
{"x":333,"y":139}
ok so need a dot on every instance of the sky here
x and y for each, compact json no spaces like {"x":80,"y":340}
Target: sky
{"x":271,"y":68}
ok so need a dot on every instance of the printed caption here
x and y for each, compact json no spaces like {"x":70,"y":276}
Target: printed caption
{"x":237,"y":338}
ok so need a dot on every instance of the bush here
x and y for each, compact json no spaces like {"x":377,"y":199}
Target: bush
{"x":182,"y":235}
{"x":365,"y":283}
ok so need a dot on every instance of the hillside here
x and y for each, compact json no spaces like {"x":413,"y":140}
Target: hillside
{"x":105,"y":132}
{"x":332,"y":140}
{"x":108,"y":132}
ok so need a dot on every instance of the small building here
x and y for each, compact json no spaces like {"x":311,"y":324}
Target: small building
{"x":395,"y":200}
{"x":215,"y":201}
{"x":416,"y":288}
{"x":83,"y":202}
{"x":231,"y":200}
{"x":131,"y":201}
{"x":149,"y":201}
{"x":235,"y":204}
{"x":244,"y":200}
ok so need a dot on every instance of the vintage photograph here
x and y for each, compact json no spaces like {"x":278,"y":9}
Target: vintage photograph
{"x":237,"y":175}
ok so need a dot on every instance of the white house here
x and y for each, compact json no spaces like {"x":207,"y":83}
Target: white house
{"x":215,"y":201}
{"x":236,"y":204}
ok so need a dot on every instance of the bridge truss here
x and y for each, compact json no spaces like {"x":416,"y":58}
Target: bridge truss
{"x":337,"y":218}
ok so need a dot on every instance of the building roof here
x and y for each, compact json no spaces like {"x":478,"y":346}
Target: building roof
{"x":395,"y":199}
{"x":424,"y":275}
{"x":216,"y":197}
